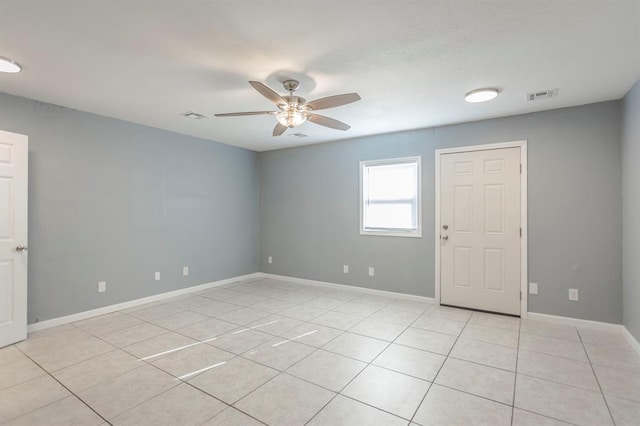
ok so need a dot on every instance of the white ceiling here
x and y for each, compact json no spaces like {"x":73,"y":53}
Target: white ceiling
{"x":410,"y":61}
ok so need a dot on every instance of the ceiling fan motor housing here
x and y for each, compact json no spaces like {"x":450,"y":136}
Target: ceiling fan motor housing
{"x":291,"y":85}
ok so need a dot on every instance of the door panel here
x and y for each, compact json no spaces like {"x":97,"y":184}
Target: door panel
{"x":494,"y":209}
{"x":13,"y":233}
{"x":462,"y":266}
{"x":463,"y":208}
{"x":480,"y":251}
{"x":494,"y":269}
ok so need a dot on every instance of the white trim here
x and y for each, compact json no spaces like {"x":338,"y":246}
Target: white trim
{"x":347,"y":287}
{"x":131,"y":303}
{"x":482,"y":147}
{"x":15,"y":329}
{"x":436,"y":236}
{"x":257,"y":275}
{"x":524,"y":239}
{"x":391,"y":161}
{"x":632,"y":340}
{"x":523,"y":214}
{"x":575,"y":322}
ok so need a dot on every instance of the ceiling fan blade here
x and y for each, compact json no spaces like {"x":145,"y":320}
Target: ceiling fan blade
{"x":327,"y":122}
{"x":237,"y":114}
{"x":333,"y":101}
{"x":268,"y":93}
{"x":279,"y":129}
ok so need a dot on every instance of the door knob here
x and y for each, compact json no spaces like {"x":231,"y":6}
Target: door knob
{"x":445,"y":227}
{"x":445,"y":237}
{"x":21,"y":248}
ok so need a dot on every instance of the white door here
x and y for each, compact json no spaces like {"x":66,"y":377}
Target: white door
{"x":14,"y":154}
{"x":480,"y":230}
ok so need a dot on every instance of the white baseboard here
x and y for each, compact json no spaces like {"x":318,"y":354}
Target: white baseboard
{"x":573,"y":321}
{"x":591,"y":324}
{"x":346,"y":287}
{"x":131,"y":303}
{"x":632,"y":340}
{"x":257,"y":275}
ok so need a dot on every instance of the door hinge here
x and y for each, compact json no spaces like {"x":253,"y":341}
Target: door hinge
{"x":520,"y":232}
{"x":520,"y":168}
{"x":520,"y":295}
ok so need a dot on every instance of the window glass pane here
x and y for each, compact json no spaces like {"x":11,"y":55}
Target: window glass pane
{"x":390,"y":216}
{"x":392,"y":182}
{"x":390,"y":198}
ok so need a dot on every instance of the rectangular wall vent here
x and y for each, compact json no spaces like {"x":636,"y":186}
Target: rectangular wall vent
{"x":544,"y":94}
{"x":194,"y":115}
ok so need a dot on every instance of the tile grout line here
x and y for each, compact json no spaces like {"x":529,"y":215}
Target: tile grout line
{"x":314,"y":348}
{"x":565,"y":384}
{"x":606,"y":403}
{"x":173,"y":387}
{"x":550,"y":417}
{"x":320,"y":348}
{"x":136,"y":368}
{"x":157,"y":368}
{"x":547,"y":336}
{"x":217,"y":399}
{"x":64,"y":386}
{"x":389,"y":343}
{"x":168,"y":330}
{"x":440,"y":369}
{"x":176,"y":379}
{"x":515,"y":375}
{"x":187,"y":309}
{"x":367,"y":364}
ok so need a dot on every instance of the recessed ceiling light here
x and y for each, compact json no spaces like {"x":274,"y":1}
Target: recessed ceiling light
{"x":481,"y":95}
{"x":7,"y":65}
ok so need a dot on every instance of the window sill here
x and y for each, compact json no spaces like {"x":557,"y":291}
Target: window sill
{"x":392,"y":234}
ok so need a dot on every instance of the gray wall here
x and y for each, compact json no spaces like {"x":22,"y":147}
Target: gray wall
{"x":114,"y":201}
{"x":631,"y":210}
{"x":309,"y":209}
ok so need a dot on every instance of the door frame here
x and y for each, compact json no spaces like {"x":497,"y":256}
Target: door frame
{"x":20,"y":271}
{"x":522,"y":144}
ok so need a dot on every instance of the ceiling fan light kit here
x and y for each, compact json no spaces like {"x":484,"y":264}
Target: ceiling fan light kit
{"x":295,"y":110}
{"x":291,"y":117}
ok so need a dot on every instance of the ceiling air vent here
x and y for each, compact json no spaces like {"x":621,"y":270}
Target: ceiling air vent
{"x":534,"y":96}
{"x":194,"y":115}
{"x":299,"y":135}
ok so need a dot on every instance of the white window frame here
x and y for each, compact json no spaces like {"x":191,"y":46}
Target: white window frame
{"x":361,"y":201}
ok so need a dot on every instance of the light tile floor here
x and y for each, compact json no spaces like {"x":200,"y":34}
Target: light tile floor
{"x":278,"y":353}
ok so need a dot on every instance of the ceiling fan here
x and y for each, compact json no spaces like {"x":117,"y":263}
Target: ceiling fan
{"x":294,"y":110}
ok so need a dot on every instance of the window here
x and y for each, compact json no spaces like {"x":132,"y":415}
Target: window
{"x":390,"y":197}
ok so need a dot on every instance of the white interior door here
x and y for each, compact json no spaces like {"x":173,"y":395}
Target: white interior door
{"x":14,"y":154}
{"x":480,"y":230}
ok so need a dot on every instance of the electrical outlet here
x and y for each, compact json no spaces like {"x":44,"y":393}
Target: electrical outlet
{"x":185,"y":271}
{"x":270,"y":259}
{"x":573,"y":294}
{"x":345,"y":269}
{"x":371,"y":271}
{"x":533,"y":288}
{"x":157,"y":276}
{"x":102,"y":286}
